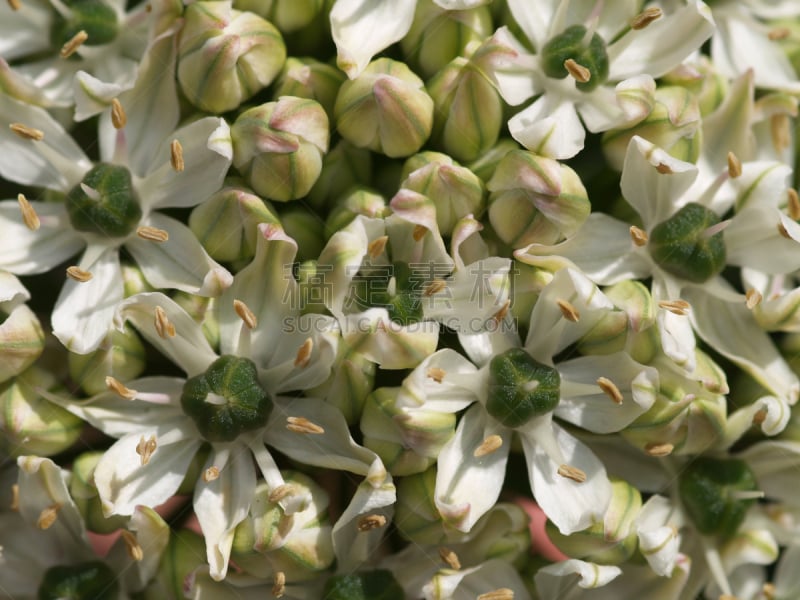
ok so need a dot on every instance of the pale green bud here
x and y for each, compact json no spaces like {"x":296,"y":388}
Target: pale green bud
{"x":408,"y":441}
{"x":21,"y":334}
{"x":703,"y":80}
{"x":349,"y":385}
{"x":527,"y":283}
{"x":455,"y":190}
{"x":634,"y":299}
{"x":309,"y":78}
{"x":385,"y":109}
{"x":202,"y":310}
{"x":31,"y":424}
{"x":278,"y":147}
{"x":307,"y":228}
{"x":185,"y":552}
{"x":438,"y":35}
{"x":133,"y":281}
{"x":226,"y":56}
{"x":468,"y":110}
{"x":287,"y":15}
{"x":673,"y":124}
{"x":485,"y":165}
{"x":227,"y":223}
{"x":83,"y":490}
{"x":535,"y":199}
{"x":121,"y":355}
{"x":416,"y":516}
{"x":610,"y":541}
{"x":344,"y":167}
{"x":501,"y":533}
{"x":358,"y":201}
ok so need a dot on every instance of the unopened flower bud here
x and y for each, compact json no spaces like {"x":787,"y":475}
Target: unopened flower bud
{"x":278,"y":147}
{"x":379,"y":584}
{"x":30,"y":424}
{"x":673,"y":125}
{"x":202,"y":310}
{"x":527,"y":283}
{"x":343,"y":168}
{"x":416,"y":516}
{"x":307,"y":228}
{"x":701,"y":78}
{"x":385,"y":109}
{"x":610,"y":541}
{"x":535,"y":199}
{"x":21,"y":334}
{"x":83,"y":490}
{"x":133,"y":281}
{"x":227,"y":223}
{"x":438,"y":35}
{"x":184,"y":553}
{"x":408,"y":441}
{"x":485,"y":165}
{"x":226,"y":56}
{"x":349,"y":385}
{"x":286,"y":15}
{"x":455,"y":190}
{"x":358,"y":201}
{"x":121,"y":355}
{"x":468,"y":110}
{"x":309,"y":78}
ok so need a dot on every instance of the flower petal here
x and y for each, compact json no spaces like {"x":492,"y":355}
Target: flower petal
{"x":444,"y":382}
{"x":558,"y":579}
{"x":549,"y":127}
{"x":474,"y":582}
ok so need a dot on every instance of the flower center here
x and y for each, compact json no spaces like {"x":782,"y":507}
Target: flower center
{"x":576,"y":51}
{"x":96,"y":18}
{"x":688,"y":245}
{"x":84,"y":581}
{"x":716,"y":493}
{"x":521,"y":388}
{"x":227,"y":400}
{"x":104,"y":202}
{"x":394,"y":287}
{"x":379,"y":584}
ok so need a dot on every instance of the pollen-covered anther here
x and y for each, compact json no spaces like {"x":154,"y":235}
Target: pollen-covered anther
{"x":568,"y":311}
{"x":659,"y":449}
{"x":211,"y":474}
{"x":753,"y":298}
{"x":434,"y":287}
{"x":449,"y":558}
{"x":782,"y":231}
{"x":487,"y":446}
{"x":176,"y":156}
{"x":436,"y":374}
{"x":281,"y":492}
{"x":769,"y":590}
{"x":279,"y":584}
{"x":579,"y":73}
{"x":573,"y":473}
{"x":793,"y":204}
{"x":501,"y":314}
{"x":132,"y":545}
{"x":419,"y":232}
{"x":164,"y":328}
{"x":664,"y":169}
{"x":778,"y":33}
{"x":118,"y":117}
{"x":14,"y":4}
{"x":27,"y":133}
{"x":780,"y":128}
{"x":245,"y":314}
{"x":304,"y":353}
{"x":152,"y":234}
{"x":146,"y":448}
{"x":676,"y":307}
{"x":78,"y":274}
{"x":610,"y":389}
{"x":638,"y":235}
{"x":303,"y":425}
{"x":727,"y":597}
{"x":498,"y":594}
{"x":72,"y":45}
{"x":377,"y":246}
{"x":760,"y":416}
{"x":48,"y":516}
{"x":369,"y":522}
{"x":14,"y":497}
{"x":734,"y":166}
{"x":116,"y":386}
{"x":29,"y":216}
{"x":644,"y":18}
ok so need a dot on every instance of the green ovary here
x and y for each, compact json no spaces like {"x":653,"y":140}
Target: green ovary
{"x":105,"y":202}
{"x":227,"y":400}
{"x":521,"y":388}
{"x":403,"y":304}
{"x":84,"y":581}
{"x":682,"y":246}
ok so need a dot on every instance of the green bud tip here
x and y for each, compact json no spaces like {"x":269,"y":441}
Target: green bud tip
{"x":105,"y":202}
{"x":577,"y":52}
{"x":227,"y":400}
{"x":520,"y":388}
{"x":689,"y":244}
{"x":85,"y":581}
{"x":716,"y":493}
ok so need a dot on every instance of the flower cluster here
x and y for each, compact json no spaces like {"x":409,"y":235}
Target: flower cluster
{"x":371,"y":299}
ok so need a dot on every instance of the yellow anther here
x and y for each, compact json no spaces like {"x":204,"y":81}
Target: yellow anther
{"x":434,"y":287}
{"x":569,"y":312}
{"x":368,"y":522}
{"x":487,"y":446}
{"x":163,"y":326}
{"x":132,"y":545}
{"x":573,"y":473}
{"x":245,"y":314}
{"x":450,"y":558}
{"x":501,"y":314}
{"x":794,"y":204}
{"x":176,"y":156}
{"x":676,"y":307}
{"x":14,"y":4}
{"x":656,"y":449}
{"x":436,"y":374}
{"x":639,"y":236}
{"x":498,"y":594}
{"x":377,"y":246}
{"x":780,"y":128}
{"x":29,"y":216}
{"x":734,"y":166}
{"x":118,"y":116}
{"x":119,"y":389}
{"x":146,"y":448}
{"x":752,"y":298}
{"x":14,"y":497}
{"x":610,"y":389}
{"x":644,"y":18}
{"x":280,"y":492}
{"x":48,"y":516}
{"x":579,"y":73}
{"x":78,"y":274}
{"x":73,"y":44}
{"x":664,"y":169}
{"x":304,"y":353}
{"x":279,"y":584}
{"x":779,"y":33}
{"x":303,"y":425}
{"x":27,"y":133}
{"x":152,"y":234}
{"x":419,"y":232}
{"x":210,"y":474}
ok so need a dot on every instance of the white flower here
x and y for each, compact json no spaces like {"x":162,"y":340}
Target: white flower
{"x":135,"y":173}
